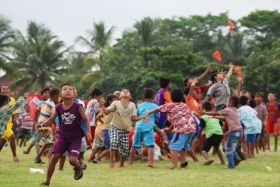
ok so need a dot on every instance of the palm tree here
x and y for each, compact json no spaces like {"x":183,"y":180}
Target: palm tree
{"x":145,"y":36}
{"x":234,"y":48}
{"x":6,"y":38}
{"x":97,"y":39}
{"x":38,"y":57}
{"x":145,"y":30}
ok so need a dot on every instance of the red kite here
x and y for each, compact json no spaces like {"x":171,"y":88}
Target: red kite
{"x":238,"y":70}
{"x":231,"y":25}
{"x":217,"y":56}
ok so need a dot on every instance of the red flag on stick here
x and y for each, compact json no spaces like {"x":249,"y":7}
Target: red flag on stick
{"x":217,"y":56}
{"x":231,"y":25}
{"x":33,"y":100}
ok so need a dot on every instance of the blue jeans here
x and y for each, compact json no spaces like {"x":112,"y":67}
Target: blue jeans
{"x":233,"y":140}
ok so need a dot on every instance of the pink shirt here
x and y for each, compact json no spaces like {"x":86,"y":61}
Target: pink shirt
{"x":180,"y":117}
{"x":232,"y":118}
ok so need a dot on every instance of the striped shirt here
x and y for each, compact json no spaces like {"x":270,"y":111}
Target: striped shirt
{"x":47,"y":109}
{"x":27,"y":121}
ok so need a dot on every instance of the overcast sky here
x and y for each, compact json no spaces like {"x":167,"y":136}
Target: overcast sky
{"x":71,"y":18}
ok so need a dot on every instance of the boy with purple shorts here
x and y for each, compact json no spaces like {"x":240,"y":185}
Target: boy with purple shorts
{"x":70,"y":116}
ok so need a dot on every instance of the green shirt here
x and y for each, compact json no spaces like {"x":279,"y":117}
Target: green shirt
{"x":211,"y":126}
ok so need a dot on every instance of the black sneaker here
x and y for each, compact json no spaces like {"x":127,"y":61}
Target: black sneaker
{"x":78,"y":173}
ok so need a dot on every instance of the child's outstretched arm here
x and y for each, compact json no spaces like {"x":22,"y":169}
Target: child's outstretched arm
{"x":231,"y":66}
{"x":152,"y":111}
{"x":84,"y":117}
{"x":219,"y":117}
{"x":204,"y":74}
{"x":49,"y":121}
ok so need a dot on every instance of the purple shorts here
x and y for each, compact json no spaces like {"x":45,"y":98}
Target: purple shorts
{"x":72,"y":145}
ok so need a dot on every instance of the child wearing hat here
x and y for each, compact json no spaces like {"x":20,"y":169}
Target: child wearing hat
{"x":124,"y":112}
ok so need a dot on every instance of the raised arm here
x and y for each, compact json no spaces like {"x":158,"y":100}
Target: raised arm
{"x":204,"y":74}
{"x":231,"y":66}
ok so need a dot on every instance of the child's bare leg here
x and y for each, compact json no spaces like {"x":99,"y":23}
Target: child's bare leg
{"x":21,"y":141}
{"x":103,"y":154}
{"x":41,"y":152}
{"x":205,"y":155}
{"x":92,"y":155}
{"x":51,"y":167}
{"x":12,"y":140}
{"x":132,"y":155}
{"x":221,"y":157}
{"x":253,"y":149}
{"x":112,"y":158}
{"x":151,"y":153}
{"x":174,"y":159}
{"x":62,"y":162}
{"x":275,"y":142}
{"x":193,"y":155}
{"x":122,"y":160}
{"x":268,"y":141}
{"x":2,"y":143}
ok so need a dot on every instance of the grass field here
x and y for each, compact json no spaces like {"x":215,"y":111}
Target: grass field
{"x":264,"y":170}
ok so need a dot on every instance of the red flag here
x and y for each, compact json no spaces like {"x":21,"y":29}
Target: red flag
{"x":238,"y":70}
{"x":217,"y":56}
{"x":33,"y":100}
{"x":231,"y":25}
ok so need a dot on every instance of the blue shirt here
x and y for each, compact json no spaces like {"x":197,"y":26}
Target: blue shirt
{"x":248,"y":117}
{"x":141,"y":111}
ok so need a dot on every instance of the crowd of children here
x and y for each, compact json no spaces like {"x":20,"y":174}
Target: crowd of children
{"x":171,"y":123}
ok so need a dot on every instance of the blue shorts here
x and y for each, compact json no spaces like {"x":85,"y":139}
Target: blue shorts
{"x":143,"y":136}
{"x":181,"y":142}
{"x":250,"y":138}
{"x":106,"y":136}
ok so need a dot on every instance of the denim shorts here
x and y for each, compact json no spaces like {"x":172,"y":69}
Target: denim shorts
{"x":143,"y":136}
{"x":181,"y":142}
{"x":250,"y":138}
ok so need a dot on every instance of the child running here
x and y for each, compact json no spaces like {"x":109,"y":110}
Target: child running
{"x":6,"y":111}
{"x":183,"y":126}
{"x":144,"y":131}
{"x":27,"y":123}
{"x":124,"y":112}
{"x":70,"y":116}
{"x":213,"y":132}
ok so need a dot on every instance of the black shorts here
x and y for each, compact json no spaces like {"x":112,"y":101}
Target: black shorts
{"x":24,"y":133}
{"x":214,"y":140}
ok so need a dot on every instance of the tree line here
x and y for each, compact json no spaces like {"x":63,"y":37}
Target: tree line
{"x":177,"y":48}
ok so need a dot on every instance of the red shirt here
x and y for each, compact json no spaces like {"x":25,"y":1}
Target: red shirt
{"x":273,"y":110}
{"x":198,"y":90}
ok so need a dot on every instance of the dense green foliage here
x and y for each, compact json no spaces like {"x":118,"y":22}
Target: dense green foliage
{"x":177,"y":48}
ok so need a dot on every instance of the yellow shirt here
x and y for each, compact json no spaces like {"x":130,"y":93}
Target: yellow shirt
{"x":10,"y":123}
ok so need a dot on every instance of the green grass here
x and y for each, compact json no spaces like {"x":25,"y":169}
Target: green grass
{"x":253,"y":172}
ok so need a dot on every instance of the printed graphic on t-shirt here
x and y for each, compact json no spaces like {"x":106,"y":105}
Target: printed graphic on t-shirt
{"x":68,"y":118}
